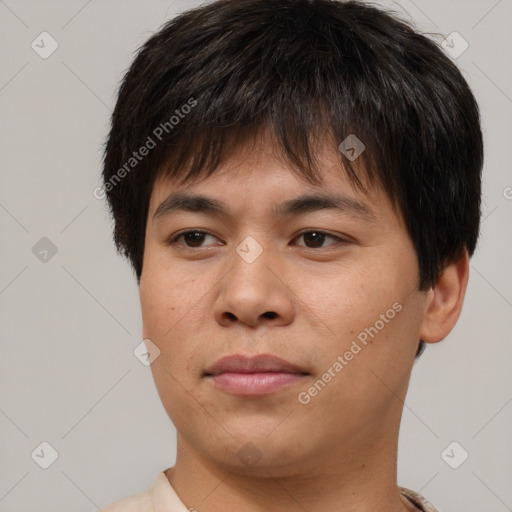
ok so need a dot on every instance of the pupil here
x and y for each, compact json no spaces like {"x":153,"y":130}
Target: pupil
{"x":194,"y":237}
{"x":319,"y":238}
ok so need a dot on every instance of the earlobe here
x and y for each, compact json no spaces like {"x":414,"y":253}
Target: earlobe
{"x":444,"y":301}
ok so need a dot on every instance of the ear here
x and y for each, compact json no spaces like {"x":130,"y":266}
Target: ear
{"x":444,"y":301}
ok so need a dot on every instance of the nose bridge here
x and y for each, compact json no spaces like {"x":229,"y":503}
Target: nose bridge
{"x":250,"y":267}
{"x":252,"y":292}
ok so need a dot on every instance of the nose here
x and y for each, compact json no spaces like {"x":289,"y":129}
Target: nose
{"x":254,"y":293}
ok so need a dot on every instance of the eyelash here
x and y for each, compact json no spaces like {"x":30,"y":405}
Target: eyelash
{"x":175,"y":239}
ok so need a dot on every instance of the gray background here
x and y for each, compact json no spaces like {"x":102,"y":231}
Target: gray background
{"x":70,"y":324}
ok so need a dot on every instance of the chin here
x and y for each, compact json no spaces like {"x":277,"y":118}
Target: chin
{"x":260,"y":454}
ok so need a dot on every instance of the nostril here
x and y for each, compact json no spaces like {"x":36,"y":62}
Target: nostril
{"x":270,"y":314}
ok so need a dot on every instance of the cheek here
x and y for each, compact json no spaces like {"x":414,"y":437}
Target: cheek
{"x":372,"y":301}
{"x":347,"y":301}
{"x":166,"y":296}
{"x":157,"y":305}
{"x":170,"y":310}
{"x":173,"y":315}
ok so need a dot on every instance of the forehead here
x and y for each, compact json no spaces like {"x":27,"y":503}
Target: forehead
{"x":259,"y":177}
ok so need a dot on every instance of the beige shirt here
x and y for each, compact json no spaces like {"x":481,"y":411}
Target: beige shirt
{"x":161,"y":497}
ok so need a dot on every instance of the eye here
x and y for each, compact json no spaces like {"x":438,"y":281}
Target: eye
{"x":192,"y":239}
{"x":316,"y":238}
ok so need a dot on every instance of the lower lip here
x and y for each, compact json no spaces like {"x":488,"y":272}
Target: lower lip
{"x":255,"y":384}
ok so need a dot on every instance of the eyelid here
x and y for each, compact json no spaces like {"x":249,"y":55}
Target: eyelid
{"x":174,"y":237}
{"x":321,"y":231}
{"x":173,"y":240}
{"x":339,"y":239}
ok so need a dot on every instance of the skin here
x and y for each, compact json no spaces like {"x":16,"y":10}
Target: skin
{"x":200,"y":303}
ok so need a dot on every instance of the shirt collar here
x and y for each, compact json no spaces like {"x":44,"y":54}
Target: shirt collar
{"x":165,"y":499}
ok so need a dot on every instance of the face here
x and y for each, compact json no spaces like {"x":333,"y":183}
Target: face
{"x":329,"y":289}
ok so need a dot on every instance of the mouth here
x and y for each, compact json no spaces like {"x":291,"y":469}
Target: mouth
{"x":253,"y":375}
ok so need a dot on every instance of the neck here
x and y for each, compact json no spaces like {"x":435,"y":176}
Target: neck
{"x":359,"y":478}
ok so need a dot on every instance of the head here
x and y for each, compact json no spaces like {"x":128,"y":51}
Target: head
{"x":252,"y":105}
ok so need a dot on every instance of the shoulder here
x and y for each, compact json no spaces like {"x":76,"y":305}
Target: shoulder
{"x":417,"y":500}
{"x":137,"y":503}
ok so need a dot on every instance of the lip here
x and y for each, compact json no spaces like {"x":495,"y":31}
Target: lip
{"x":253,"y":375}
{"x":238,"y":363}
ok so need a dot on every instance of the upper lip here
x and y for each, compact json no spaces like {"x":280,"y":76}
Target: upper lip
{"x":239,"y":363}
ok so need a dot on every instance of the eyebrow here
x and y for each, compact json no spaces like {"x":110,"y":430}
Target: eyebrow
{"x":180,"y":201}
